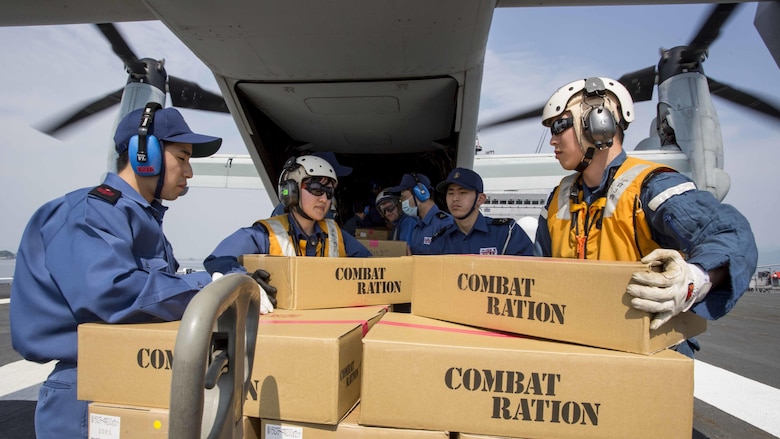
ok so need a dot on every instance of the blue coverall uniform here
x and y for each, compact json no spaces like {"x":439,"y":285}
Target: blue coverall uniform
{"x":254,"y":240}
{"x":709,"y":233}
{"x":93,"y":255}
{"x":403,"y":229}
{"x":428,"y":230}
{"x":488,"y":236}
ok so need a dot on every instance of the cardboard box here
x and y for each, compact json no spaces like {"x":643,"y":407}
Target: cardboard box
{"x":313,"y":283}
{"x":109,"y":421}
{"x":348,"y":428}
{"x":428,"y":374}
{"x":478,"y":436}
{"x":568,"y":300}
{"x":384,"y":249}
{"x":307,"y":364}
{"x":372,"y":233}
{"x":126,"y":364}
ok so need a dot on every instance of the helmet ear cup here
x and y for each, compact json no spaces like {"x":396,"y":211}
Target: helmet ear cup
{"x":144,"y":150}
{"x":599,"y":126}
{"x":420,"y":191}
{"x":288,"y":193}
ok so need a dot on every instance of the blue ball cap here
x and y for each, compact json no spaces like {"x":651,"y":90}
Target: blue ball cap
{"x":168,"y":125}
{"x":341,"y":170}
{"x":465,"y":178}
{"x":408,"y":181}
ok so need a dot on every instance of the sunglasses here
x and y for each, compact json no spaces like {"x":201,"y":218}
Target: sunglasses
{"x":316,"y":188}
{"x":561,"y":125}
{"x":390,"y":208}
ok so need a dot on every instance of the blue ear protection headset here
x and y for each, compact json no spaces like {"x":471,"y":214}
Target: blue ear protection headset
{"x":419,"y":189}
{"x":144,"y":150}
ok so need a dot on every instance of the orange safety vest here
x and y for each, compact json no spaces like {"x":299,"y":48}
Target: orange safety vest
{"x":613,"y":227}
{"x":280,"y":242}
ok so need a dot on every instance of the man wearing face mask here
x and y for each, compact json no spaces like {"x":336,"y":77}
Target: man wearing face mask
{"x":416,"y":194}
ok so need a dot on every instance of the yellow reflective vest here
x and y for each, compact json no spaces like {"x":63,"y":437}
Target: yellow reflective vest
{"x":281,"y":243}
{"x":612,"y":227}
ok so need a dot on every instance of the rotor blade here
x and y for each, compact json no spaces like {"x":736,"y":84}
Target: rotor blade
{"x":742,"y":98}
{"x":537,"y":112}
{"x":187,"y":94}
{"x":94,"y":107}
{"x":121,"y":49}
{"x":640,"y":83}
{"x":709,"y":31}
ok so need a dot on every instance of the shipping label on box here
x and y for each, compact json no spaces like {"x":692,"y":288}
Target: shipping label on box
{"x":372,"y":233}
{"x":309,"y":360}
{"x":111,"y":421}
{"x":384,"y":249}
{"x":308,"y":364}
{"x":568,"y":300}
{"x":347,"y":428}
{"x":312,"y":283}
{"x":477,"y":381}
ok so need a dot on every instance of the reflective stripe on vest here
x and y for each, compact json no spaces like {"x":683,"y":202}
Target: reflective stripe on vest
{"x":281,"y":244}
{"x":616,"y":227}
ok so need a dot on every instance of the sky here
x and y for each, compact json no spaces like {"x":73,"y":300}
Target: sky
{"x":49,"y":70}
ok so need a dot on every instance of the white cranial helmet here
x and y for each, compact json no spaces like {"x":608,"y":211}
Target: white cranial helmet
{"x":309,"y":166}
{"x":598,"y":106}
{"x":561,"y":100}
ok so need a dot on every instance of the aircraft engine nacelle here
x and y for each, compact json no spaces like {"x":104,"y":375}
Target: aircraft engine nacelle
{"x":688,"y":119}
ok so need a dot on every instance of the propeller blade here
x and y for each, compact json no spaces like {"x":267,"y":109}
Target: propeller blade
{"x":640,"y":83}
{"x":94,"y":107}
{"x":742,"y":98}
{"x":709,"y":31}
{"x":187,"y":94}
{"x":537,"y":112}
{"x":122,"y":49}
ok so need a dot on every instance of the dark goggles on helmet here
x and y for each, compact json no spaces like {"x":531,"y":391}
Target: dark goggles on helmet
{"x":561,"y":125}
{"x":317,"y":188}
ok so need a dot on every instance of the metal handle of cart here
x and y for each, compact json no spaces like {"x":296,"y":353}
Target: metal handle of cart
{"x":212,"y":361}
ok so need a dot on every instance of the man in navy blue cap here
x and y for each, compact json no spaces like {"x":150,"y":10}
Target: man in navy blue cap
{"x":341,"y":171}
{"x":99,"y":254}
{"x":417,"y":201}
{"x":473,"y":233}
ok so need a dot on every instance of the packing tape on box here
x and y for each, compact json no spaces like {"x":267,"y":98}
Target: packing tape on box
{"x":363,"y":323}
{"x":486,"y":332}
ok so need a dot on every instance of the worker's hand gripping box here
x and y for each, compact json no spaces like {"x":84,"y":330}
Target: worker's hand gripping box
{"x":568,"y":300}
{"x":428,"y":374}
{"x":307,"y":364}
{"x":312,"y":283}
{"x":347,"y":428}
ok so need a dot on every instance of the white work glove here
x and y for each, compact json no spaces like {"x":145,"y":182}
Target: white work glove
{"x":672,"y":290}
{"x":265,"y":303}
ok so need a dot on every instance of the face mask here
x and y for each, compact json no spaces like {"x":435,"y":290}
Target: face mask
{"x":409,"y":210}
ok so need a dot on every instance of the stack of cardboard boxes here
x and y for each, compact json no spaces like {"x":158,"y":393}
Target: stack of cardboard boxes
{"x":501,"y":346}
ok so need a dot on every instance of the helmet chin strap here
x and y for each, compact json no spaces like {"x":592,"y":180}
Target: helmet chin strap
{"x":586,"y":159}
{"x":302,"y":213}
{"x":160,"y":179}
{"x":473,"y":206}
